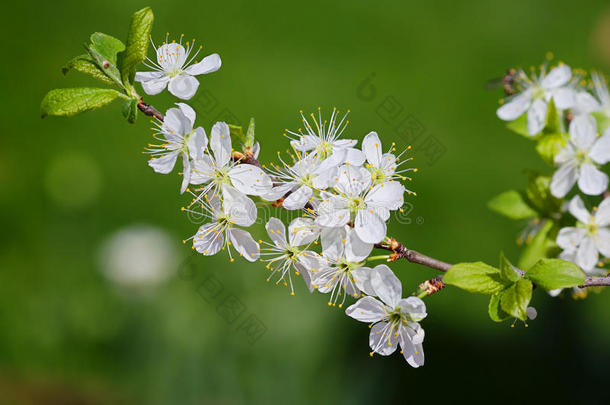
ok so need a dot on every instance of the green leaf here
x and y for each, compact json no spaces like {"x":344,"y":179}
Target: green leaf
{"x":519,"y":126}
{"x":603,"y":121}
{"x":69,"y":102}
{"x":549,"y":146}
{"x":496,"y":313}
{"x":507,"y":271}
{"x":250,"y":134}
{"x":515,"y":299}
{"x":539,"y":195}
{"x":85,"y":64}
{"x":475,"y":277}
{"x":512,"y":205}
{"x":105,"y":65}
{"x":106,"y":46}
{"x":130,"y":110}
{"x":552,"y":274}
{"x":553,"y":119}
{"x":137,"y":43}
{"x":542,"y":246}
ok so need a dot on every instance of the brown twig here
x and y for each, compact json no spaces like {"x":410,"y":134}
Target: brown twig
{"x":150,"y":110}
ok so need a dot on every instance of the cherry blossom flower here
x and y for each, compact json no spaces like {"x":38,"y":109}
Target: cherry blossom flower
{"x":324,"y":140}
{"x":583,"y":243}
{"x":234,"y":209}
{"x":357,"y":200}
{"x":178,"y":137}
{"x":172,"y":70}
{"x":395,"y":319}
{"x":285,"y":254}
{"x":579,"y":160}
{"x":382,"y":166}
{"x":536,"y":94}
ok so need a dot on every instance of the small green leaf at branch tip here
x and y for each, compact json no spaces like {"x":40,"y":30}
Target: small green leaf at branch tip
{"x":553,"y":124}
{"x":249,"y":143}
{"x":85,"y":64}
{"x":107,"y":46}
{"x":130,"y":111}
{"x":496,"y":313}
{"x":475,"y":277}
{"x":515,"y":299}
{"x":552,"y":274}
{"x":512,"y":205}
{"x":549,"y":145}
{"x":507,"y":271}
{"x":69,"y":102}
{"x":137,"y":43}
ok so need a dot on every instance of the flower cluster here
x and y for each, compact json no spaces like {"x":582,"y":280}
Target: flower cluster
{"x":345,"y":195}
{"x":568,"y":116}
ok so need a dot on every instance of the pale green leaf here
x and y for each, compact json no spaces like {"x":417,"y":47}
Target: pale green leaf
{"x":515,"y":299}
{"x":542,"y":246}
{"x":69,"y":102}
{"x":512,"y":205}
{"x":552,"y":274}
{"x":507,"y":271}
{"x":130,"y":110}
{"x":85,"y":64}
{"x":137,"y":43}
{"x":475,"y":277}
{"x":496,"y":313}
{"x":549,"y":146}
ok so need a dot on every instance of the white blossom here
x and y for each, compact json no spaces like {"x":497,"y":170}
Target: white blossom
{"x":234,"y":209}
{"x":583,"y":243}
{"x":536,"y":94}
{"x":578,"y":161}
{"x":178,"y":138}
{"x":383,"y":166}
{"x":395,"y":319}
{"x":357,"y":200}
{"x":172,"y":70}
{"x":285,"y":254}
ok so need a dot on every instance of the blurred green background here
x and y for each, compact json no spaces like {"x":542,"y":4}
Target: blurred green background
{"x":72,"y":332}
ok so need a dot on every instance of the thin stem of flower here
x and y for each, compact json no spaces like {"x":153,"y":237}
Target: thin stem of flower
{"x":380,"y":257}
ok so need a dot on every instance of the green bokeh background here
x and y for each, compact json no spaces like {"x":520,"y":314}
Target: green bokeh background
{"x":69,"y":335}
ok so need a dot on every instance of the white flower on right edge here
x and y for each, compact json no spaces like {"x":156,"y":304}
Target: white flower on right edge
{"x":536,"y":94}
{"x":171,"y":70}
{"x":583,"y":243}
{"x":578,"y":161}
{"x":395,"y":319}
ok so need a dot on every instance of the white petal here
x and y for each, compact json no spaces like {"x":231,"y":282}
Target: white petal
{"x":208,"y":64}
{"x":297,"y":199}
{"x":276,"y":231}
{"x":306,"y":274}
{"x":278,"y":192}
{"x":313,"y":262}
{"x":536,"y":116}
{"x":564,"y":98}
{"x":557,"y":77}
{"x":146,"y":76}
{"x":371,"y":146}
{"x":332,"y":212}
{"x":585,"y":103}
{"x":333,"y":242}
{"x":602,"y":215}
{"x":250,"y":179}
{"x":386,"y":285}
{"x":600,"y":152}
{"x":568,"y":153}
{"x":183,"y":86}
{"x":302,"y":231}
{"x":592,"y":181}
{"x":155,"y":86}
{"x":412,"y":352}
{"x":366,"y":309}
{"x":570,"y":237}
{"x":244,"y":244}
{"x":171,"y":56}
{"x":186,"y":173}
{"x":354,"y":157}
{"x":176,"y":124}
{"x":355,"y":249}
{"x":603,"y":241}
{"x":363,"y":276}
{"x":515,"y":107}
{"x":350,"y":180}
{"x":305,"y":143}
{"x":209,"y":239}
{"x":383,"y":339}
{"x":239,"y":208}
{"x":369,"y":226}
{"x":578,"y":210}
{"x":197,"y":143}
{"x":583,"y":131}
{"x":188,"y":111}
{"x":586,"y":256}
{"x":413,"y":306}
{"x":220,"y":142}
{"x":386,"y":195}
{"x":165,"y":163}
{"x":202,"y":170}
{"x":563,"y":180}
